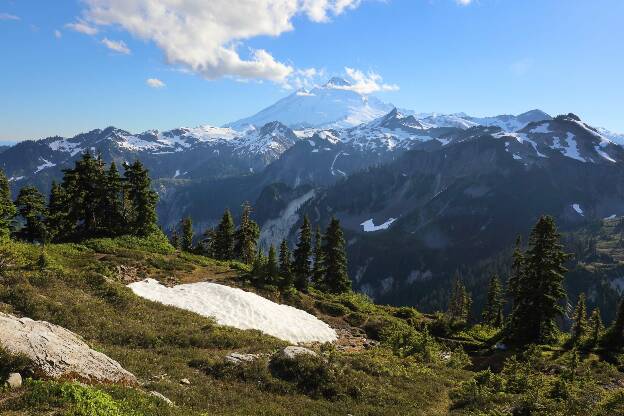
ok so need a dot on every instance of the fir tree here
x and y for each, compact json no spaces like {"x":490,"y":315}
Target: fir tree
{"x":56,"y":222}
{"x":112,"y":202}
{"x":317,"y":267}
{"x":301,"y":256}
{"x":579,"y":325}
{"x":207,"y":243}
{"x":224,"y":238}
{"x":336,"y":279}
{"x":595,"y":327}
{"x":142,"y":199}
{"x":7,"y":209}
{"x":187,"y":234}
{"x":31,"y":206}
{"x":516,"y":271}
{"x":246,"y":236}
{"x":615,"y":334}
{"x":175,"y":239}
{"x":272,"y":268}
{"x":539,"y":289}
{"x":285,"y":268}
{"x":493,"y":311}
{"x":258,"y":269}
{"x":460,"y":301}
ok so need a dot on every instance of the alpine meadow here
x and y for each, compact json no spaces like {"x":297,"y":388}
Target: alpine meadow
{"x":399,"y":207}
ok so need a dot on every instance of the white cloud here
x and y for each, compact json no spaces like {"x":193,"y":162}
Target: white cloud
{"x":205,"y":36}
{"x":155,"y":83}
{"x":365,"y":83}
{"x":82,"y":27}
{"x":58,"y":34}
{"x":7,"y":16}
{"x":463,"y":2}
{"x":116,"y":45}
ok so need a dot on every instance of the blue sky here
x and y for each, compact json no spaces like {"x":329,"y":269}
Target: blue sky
{"x":482,"y":57}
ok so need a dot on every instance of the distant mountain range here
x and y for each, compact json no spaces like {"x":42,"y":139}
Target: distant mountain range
{"x":419,"y":195}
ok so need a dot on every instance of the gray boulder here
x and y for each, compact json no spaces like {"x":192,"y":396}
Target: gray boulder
{"x":239,"y":358}
{"x":293,"y":352}
{"x":58,"y":353}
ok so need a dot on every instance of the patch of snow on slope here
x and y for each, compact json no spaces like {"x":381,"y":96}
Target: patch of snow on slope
{"x":578,"y":209}
{"x":46,"y":164}
{"x":610,"y":217}
{"x":63,"y":145}
{"x":604,"y":154}
{"x":240,"y":309}
{"x":542,"y":128}
{"x":571,"y":150}
{"x":333,"y":171}
{"x":369,"y":225}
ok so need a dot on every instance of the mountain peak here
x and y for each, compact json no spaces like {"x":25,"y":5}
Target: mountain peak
{"x":337,"y":82}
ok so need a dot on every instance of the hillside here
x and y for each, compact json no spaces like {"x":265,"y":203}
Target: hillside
{"x":180,"y":355}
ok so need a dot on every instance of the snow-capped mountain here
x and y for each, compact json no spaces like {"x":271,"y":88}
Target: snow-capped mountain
{"x":506,"y":122}
{"x":332,"y":105}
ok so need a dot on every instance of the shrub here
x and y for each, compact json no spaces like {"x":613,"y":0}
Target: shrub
{"x":331,"y":308}
{"x":13,"y":363}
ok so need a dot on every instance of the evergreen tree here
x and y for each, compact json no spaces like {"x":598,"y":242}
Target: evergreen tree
{"x":285,"y":268}
{"x":539,"y":289}
{"x":31,"y":206}
{"x":493,"y":311}
{"x":301,"y":256}
{"x":56,"y":221}
{"x":246,"y":236}
{"x":175,"y":239}
{"x":224,"y":238}
{"x":272,"y":268}
{"x":112,"y":202}
{"x":516,"y":271}
{"x":7,"y":209}
{"x":579,"y":325}
{"x":258,"y":269}
{"x":142,"y":210}
{"x":83,"y":187}
{"x":187,"y":234}
{"x":595,"y":327}
{"x":336,"y":279}
{"x":615,"y":334}
{"x":207,"y":243}
{"x":317,"y":267}
{"x":460,"y":302}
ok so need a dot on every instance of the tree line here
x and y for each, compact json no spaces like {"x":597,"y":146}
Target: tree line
{"x":537,"y":297}
{"x":93,"y":200}
{"x":319,"y":261}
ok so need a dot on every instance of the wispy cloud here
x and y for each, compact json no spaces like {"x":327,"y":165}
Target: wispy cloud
{"x":7,"y":16}
{"x":58,"y":34}
{"x":463,"y":2}
{"x":82,"y":27}
{"x":366,"y":82}
{"x":116,"y":45}
{"x":205,"y":36}
{"x":155,"y":83}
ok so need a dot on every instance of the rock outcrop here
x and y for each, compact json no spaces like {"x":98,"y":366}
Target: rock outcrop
{"x":58,"y":353}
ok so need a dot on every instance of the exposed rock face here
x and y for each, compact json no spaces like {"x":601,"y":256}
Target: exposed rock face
{"x":58,"y":353}
{"x":238,"y":358}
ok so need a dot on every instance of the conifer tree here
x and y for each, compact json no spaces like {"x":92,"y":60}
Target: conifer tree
{"x":142,"y":199}
{"x":207,"y":243}
{"x":31,"y":206}
{"x":615,"y":334}
{"x":336,"y":279}
{"x":187,"y":234}
{"x":224,"y":237}
{"x":493,"y":311}
{"x":112,"y":202}
{"x":285,"y":268}
{"x":56,"y":221}
{"x":301,"y":256}
{"x":579,"y":325}
{"x":596,"y":327}
{"x":317,"y":267}
{"x":272,"y":268}
{"x":258,"y":269}
{"x":7,"y":209}
{"x":246,"y":236}
{"x":539,"y":290}
{"x":460,"y":302}
{"x":175,"y":239}
{"x":516,"y":271}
